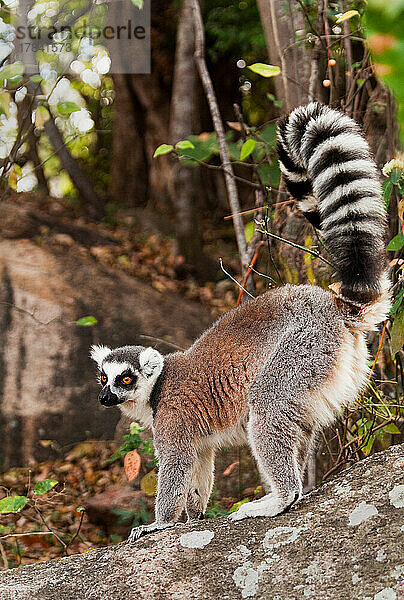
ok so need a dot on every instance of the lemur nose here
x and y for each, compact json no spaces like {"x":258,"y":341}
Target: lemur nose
{"x":107,"y":398}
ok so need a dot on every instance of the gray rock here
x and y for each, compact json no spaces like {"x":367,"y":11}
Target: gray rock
{"x":47,"y":380}
{"x":343,"y":541}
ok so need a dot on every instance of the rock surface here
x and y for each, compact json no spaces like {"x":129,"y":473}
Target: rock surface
{"x":343,"y":541}
{"x":47,"y":381}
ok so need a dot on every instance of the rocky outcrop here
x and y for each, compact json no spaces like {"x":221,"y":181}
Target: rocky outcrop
{"x":47,"y":381}
{"x":341,"y":542}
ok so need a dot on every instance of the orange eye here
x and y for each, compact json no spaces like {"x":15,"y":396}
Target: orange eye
{"x":127,"y":380}
{"x":103,"y":379}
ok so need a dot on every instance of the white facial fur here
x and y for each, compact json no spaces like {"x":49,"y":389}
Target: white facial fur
{"x":98,"y":353}
{"x":135,"y":401}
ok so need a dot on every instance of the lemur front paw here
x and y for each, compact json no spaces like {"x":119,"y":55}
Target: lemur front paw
{"x":138,"y":532}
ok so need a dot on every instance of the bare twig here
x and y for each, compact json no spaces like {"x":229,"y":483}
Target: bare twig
{"x":38,"y":512}
{"x":378,"y":350}
{"x":348,"y":57}
{"x":219,"y":129}
{"x":78,"y":530}
{"x":71,"y":165}
{"x":253,"y":210}
{"x":29,"y":313}
{"x":27,"y":533}
{"x":234,"y":279}
{"x":303,"y":248}
{"x":250,"y":270}
{"x":157,"y":339}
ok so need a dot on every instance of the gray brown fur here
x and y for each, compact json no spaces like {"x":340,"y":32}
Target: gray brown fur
{"x":271,"y":373}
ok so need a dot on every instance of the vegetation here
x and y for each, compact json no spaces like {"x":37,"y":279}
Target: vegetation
{"x":94,"y":139}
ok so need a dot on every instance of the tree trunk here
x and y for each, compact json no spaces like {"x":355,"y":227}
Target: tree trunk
{"x":141,"y":124}
{"x":293,"y":85}
{"x":183,"y":191}
{"x":129,"y":182}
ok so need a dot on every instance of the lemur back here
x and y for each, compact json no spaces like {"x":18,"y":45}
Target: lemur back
{"x":276,"y":370}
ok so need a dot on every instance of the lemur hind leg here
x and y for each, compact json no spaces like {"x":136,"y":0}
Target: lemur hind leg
{"x":201,"y":484}
{"x":280,"y":435}
{"x":275,"y":449}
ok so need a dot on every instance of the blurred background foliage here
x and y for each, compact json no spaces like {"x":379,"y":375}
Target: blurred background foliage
{"x":385,"y":33}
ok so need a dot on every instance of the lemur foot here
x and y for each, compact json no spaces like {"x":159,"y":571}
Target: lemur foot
{"x":138,"y":532}
{"x":268,"y":506}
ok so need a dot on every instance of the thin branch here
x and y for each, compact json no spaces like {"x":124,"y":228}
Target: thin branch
{"x":72,"y":167}
{"x":27,"y":533}
{"x":303,"y":248}
{"x":38,"y":512}
{"x":221,"y":168}
{"x":156,"y":339}
{"x":219,"y":129}
{"x":235,"y":280}
{"x":250,"y":270}
{"x":378,"y":350}
{"x":78,"y":530}
{"x":253,"y":210}
{"x":348,"y":54}
{"x":29,"y":313}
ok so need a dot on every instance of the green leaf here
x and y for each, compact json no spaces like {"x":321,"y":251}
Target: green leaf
{"x":247,"y":148}
{"x":163,"y":149}
{"x":80,"y":509}
{"x":397,"y":333}
{"x":397,"y":301}
{"x":265,"y":70}
{"x":15,"y":176}
{"x":368,"y":446}
{"x":44,"y":486}
{"x":86,"y":321}
{"x":347,"y":15}
{"x":249,"y":231}
{"x":391,"y":428}
{"x":397,"y":242}
{"x":138,"y":3}
{"x":183,"y":145}
{"x":11,"y":72}
{"x":236,"y":505}
{"x":13,"y":504}
{"x":396,"y":175}
{"x":36,"y":78}
{"x":67,"y":108}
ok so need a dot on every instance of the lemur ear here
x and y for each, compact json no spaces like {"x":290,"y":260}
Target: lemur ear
{"x":151,"y":362}
{"x":98,"y":353}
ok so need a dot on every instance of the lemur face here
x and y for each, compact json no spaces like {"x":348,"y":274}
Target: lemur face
{"x":118,"y":381}
{"x":127,"y":374}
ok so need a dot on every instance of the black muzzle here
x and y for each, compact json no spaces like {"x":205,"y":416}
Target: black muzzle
{"x":107,"y":398}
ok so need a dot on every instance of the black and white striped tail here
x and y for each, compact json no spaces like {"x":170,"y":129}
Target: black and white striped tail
{"x":328,"y":168}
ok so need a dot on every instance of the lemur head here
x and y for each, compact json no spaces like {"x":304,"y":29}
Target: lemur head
{"x":127,"y":374}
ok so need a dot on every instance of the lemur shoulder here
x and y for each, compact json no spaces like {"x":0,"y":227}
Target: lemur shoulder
{"x":276,"y":370}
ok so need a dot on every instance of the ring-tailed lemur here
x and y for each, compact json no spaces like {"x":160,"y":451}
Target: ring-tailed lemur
{"x":275,"y":370}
